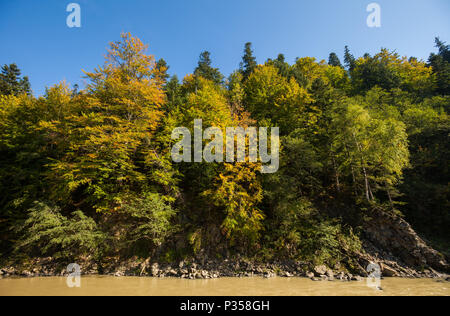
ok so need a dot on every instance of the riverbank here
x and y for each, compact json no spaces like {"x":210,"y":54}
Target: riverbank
{"x":211,"y":269}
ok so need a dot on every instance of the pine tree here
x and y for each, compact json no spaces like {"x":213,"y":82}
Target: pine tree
{"x":282,"y":65}
{"x":248,"y":64}
{"x":441,"y":67}
{"x":349,"y":59}
{"x":205,"y":70}
{"x":11,"y":83}
{"x":333,"y":60}
{"x":162,"y":67}
{"x":444,"y":50}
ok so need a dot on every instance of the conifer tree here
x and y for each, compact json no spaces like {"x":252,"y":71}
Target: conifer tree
{"x":333,"y":60}
{"x":11,"y":83}
{"x":248,"y":64}
{"x":205,"y":70}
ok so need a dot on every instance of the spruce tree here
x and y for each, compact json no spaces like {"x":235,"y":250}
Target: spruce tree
{"x":205,"y":70}
{"x":248,"y":64}
{"x":349,"y":59}
{"x":333,"y":60}
{"x":162,"y":67}
{"x":11,"y":83}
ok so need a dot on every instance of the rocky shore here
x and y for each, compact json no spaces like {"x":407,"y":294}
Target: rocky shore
{"x":212,"y":269}
{"x":389,"y":242}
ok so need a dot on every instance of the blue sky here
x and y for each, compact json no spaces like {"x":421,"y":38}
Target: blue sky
{"x":35,"y":36}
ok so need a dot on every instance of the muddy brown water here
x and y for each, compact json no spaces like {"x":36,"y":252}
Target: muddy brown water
{"x":112,"y":286}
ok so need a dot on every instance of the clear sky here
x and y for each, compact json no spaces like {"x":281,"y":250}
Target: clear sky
{"x":34,"y":33}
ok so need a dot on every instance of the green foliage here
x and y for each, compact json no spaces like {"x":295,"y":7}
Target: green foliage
{"x":373,"y":134}
{"x":11,"y":83}
{"x":273,"y":99}
{"x":46,"y":232}
{"x":388,"y":71}
{"x":300,"y":232}
{"x":248,"y":64}
{"x":147,"y":222}
{"x":206,"y":71}
{"x":440,"y":64}
{"x":333,"y":60}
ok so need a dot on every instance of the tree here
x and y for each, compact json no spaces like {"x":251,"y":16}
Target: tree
{"x":390,"y":71}
{"x":371,"y":149}
{"x":162,"y":68}
{"x":333,"y":60}
{"x":283,"y":67}
{"x":440,"y":64}
{"x":108,"y":140}
{"x":349,"y":59}
{"x":205,"y":70}
{"x":11,"y":83}
{"x":274,"y":100}
{"x":444,"y":50}
{"x":248,"y":64}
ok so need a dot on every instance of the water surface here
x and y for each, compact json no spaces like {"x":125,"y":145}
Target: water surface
{"x":112,"y":286}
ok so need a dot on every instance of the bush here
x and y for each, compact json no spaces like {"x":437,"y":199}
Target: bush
{"x":302,"y":233}
{"x":146,"y":222}
{"x":46,"y":232}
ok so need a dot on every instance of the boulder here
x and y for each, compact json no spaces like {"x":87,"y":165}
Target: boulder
{"x":388,"y":271}
{"x":320,"y":270}
{"x":155,"y":269}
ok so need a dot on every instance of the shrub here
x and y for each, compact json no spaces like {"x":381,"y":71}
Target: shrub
{"x":47,"y":232}
{"x":146,"y":221}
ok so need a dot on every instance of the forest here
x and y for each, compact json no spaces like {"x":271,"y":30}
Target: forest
{"x":88,"y":173}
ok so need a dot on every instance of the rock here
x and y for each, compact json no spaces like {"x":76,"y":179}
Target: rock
{"x":269,"y":275}
{"x":181,"y":264}
{"x":320,"y":270}
{"x":388,"y":271}
{"x":341,"y":276}
{"x":310,"y":275}
{"x":330,"y":273}
{"x":155,"y":269}
{"x":357,"y":278}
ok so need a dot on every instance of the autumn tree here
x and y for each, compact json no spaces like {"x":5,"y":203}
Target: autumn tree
{"x":108,"y":140}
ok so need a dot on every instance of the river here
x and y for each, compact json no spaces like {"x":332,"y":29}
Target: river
{"x":112,"y":286}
